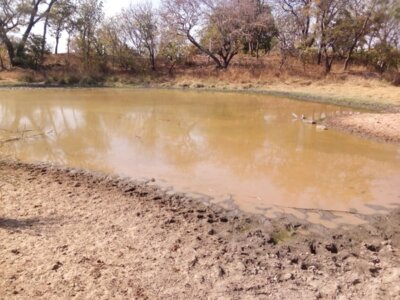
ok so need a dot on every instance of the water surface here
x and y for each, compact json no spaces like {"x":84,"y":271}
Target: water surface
{"x":238,"y":149}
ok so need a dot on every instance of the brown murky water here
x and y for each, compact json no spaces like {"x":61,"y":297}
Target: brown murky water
{"x":238,"y":149}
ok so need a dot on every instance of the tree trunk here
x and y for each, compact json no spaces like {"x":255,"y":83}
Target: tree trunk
{"x":328,"y":62}
{"x":69,"y":43}
{"x":1,"y":63}
{"x":349,"y":55}
{"x":209,"y":53}
{"x":57,"y":41}
{"x":153,"y":62}
{"x":10,"y":48}
{"x":227,"y":59}
{"x":171,"y":68}
{"x":319,"y":58}
{"x":22,"y":43}
{"x":43,"y":49}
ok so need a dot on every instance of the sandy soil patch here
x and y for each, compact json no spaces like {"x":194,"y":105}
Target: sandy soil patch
{"x":69,"y":234}
{"x":383,"y":127}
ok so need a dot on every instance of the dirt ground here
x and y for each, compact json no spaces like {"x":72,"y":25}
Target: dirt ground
{"x":382,"y":127}
{"x":70,"y":234}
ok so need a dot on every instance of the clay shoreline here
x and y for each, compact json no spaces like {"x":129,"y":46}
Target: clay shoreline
{"x":383,"y":127}
{"x":68,"y":233}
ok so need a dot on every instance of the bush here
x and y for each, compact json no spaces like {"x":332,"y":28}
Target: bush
{"x":50,"y":80}
{"x":90,"y":80}
{"x":27,"y":78}
{"x":71,"y":79}
{"x":383,"y":58}
{"x":113,"y":79}
{"x":396,"y":79}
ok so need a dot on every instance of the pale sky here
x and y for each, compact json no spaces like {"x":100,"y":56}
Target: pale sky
{"x":112,"y":7}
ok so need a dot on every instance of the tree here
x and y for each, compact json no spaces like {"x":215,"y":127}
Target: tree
{"x":139,"y":23}
{"x":16,"y":15}
{"x":301,"y":12}
{"x":221,"y":25}
{"x":358,"y":21}
{"x":60,"y":19}
{"x":35,"y":51}
{"x":259,"y":26}
{"x":3,"y":57}
{"x":173,"y":48}
{"x":185,"y":17}
{"x":89,"y":15}
{"x":115,"y":43}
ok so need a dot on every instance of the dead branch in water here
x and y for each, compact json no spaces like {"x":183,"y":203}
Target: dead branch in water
{"x":23,"y":137}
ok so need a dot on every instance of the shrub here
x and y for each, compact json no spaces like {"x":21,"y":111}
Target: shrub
{"x":27,"y":78}
{"x":71,"y":79}
{"x":396,"y":79}
{"x":90,"y":80}
{"x":50,"y":80}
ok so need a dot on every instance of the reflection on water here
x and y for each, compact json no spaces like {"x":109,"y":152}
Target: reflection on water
{"x":228,"y":146}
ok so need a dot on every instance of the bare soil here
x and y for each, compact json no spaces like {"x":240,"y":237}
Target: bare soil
{"x":382,"y":127}
{"x":72,"y":234}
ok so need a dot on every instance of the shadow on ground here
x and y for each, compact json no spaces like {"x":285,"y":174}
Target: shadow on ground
{"x":13,"y":224}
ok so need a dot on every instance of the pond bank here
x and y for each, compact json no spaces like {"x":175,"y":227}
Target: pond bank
{"x":70,"y":233}
{"x":381,"y":127}
{"x":373,"y":95}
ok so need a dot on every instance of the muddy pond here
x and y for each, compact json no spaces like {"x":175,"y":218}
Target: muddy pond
{"x":240,"y":150}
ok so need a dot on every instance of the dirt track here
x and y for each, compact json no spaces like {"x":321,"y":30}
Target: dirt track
{"x":67,"y":233}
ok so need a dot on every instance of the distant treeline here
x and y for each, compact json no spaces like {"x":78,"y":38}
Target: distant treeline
{"x":321,"y":32}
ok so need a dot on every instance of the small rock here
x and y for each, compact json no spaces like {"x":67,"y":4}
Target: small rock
{"x":212,"y":232}
{"x":288,"y":276}
{"x":332,"y":248}
{"x":375,"y":271}
{"x":313,"y":247}
{"x":130,"y":190}
{"x":193,"y":262}
{"x":221,"y":272}
{"x":56,"y":266}
{"x":373,"y":248}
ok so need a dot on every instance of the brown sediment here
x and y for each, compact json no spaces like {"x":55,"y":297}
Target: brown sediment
{"x":68,"y":233}
{"x":382,"y":127}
